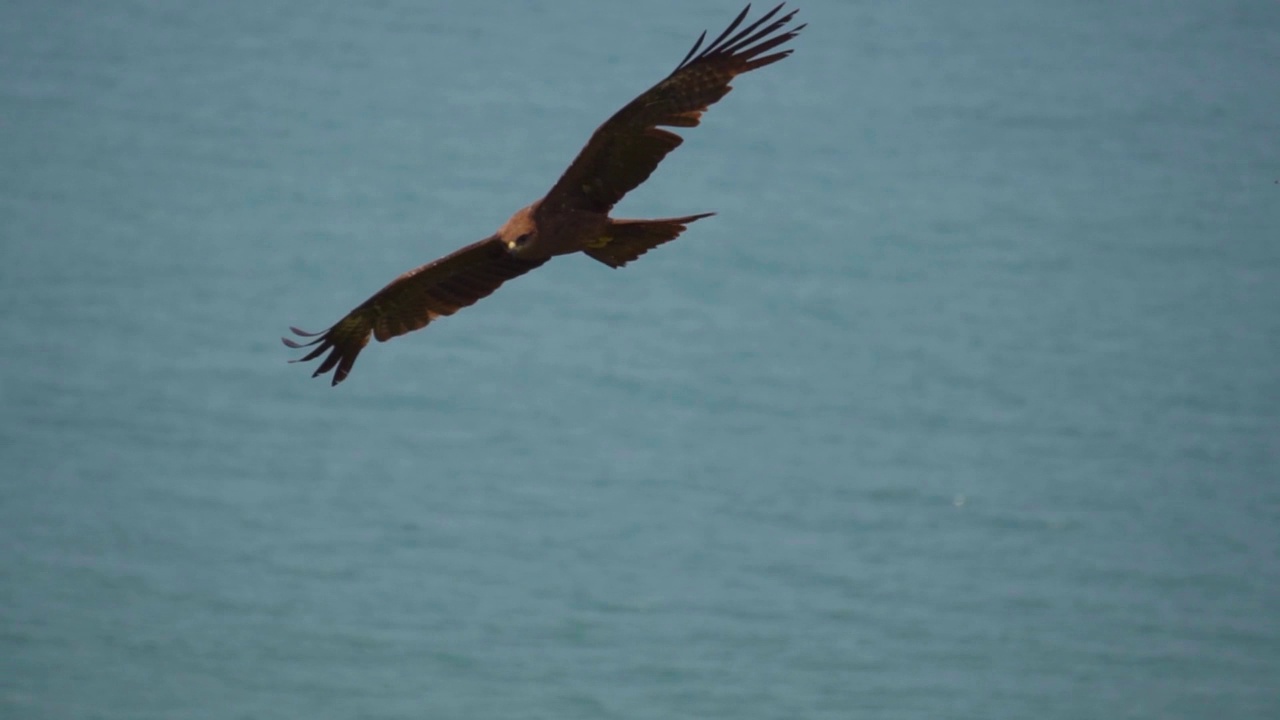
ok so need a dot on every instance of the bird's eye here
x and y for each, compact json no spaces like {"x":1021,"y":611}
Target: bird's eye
{"x":524,"y":238}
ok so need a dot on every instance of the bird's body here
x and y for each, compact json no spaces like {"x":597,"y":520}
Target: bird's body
{"x":574,"y":215}
{"x":552,"y":233}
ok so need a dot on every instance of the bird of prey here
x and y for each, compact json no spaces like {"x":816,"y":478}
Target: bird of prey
{"x":574,"y":215}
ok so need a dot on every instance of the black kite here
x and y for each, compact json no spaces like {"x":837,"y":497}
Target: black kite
{"x":574,"y":215}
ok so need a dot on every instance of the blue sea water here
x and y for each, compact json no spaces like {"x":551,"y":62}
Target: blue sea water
{"x":965,"y":405}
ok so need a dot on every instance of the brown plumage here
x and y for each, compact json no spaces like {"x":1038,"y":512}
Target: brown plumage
{"x":574,"y":215}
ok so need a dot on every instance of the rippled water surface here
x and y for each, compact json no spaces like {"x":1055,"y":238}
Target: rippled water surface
{"x":966,"y":405}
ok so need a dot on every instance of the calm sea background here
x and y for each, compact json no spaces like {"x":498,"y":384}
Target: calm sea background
{"x":966,"y":405}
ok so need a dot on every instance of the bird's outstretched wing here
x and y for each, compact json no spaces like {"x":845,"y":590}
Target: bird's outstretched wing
{"x":626,"y":149}
{"x":413,"y":300}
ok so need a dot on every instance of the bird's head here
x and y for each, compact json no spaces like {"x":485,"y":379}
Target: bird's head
{"x":521,"y":230}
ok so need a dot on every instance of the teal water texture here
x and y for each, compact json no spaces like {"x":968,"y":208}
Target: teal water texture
{"x":965,"y":405}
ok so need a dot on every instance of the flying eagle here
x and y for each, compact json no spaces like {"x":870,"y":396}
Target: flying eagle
{"x":574,"y":215}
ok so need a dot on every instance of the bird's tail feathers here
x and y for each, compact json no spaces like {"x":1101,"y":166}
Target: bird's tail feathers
{"x":627,"y":240}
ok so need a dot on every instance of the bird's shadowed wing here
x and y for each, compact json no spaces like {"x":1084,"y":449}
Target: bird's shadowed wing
{"x":412,"y":300}
{"x":624,"y":151}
